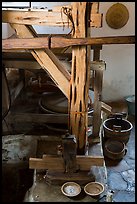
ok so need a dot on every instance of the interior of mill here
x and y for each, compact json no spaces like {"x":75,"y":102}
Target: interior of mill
{"x":68,"y":101}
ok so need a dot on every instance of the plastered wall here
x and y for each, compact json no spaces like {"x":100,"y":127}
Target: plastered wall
{"x":119,"y":76}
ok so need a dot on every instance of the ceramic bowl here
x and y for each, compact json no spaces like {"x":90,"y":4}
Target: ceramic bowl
{"x":71,"y":189}
{"x":94,"y":188}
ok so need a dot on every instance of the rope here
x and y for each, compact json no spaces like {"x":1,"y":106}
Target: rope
{"x":79,"y":112}
{"x":68,"y":13}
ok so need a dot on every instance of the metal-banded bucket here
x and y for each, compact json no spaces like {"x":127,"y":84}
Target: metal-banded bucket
{"x":117,"y":128}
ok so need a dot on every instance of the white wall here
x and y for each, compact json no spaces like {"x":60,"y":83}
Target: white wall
{"x":119,"y":76}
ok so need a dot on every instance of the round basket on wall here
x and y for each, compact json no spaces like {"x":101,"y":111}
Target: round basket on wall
{"x":117,"y":16}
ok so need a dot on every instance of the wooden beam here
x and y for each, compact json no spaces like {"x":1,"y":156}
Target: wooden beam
{"x":79,"y":85}
{"x":56,"y":163}
{"x":69,"y":152}
{"x":61,"y":42}
{"x":98,"y":80}
{"x":42,"y":118}
{"x":45,"y":17}
{"x":48,"y":61}
{"x":106,"y":108}
{"x":39,"y":118}
{"x":95,"y":7}
{"x":35,"y":17}
{"x":96,"y":20}
{"x":25,"y":60}
{"x":17,"y":64}
{"x":5,"y":93}
{"x":17,"y":90}
{"x":98,"y":65}
{"x":23,"y":55}
{"x":51,"y":162}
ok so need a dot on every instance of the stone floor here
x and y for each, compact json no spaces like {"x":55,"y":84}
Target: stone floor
{"x":17,"y":178}
{"x":121,"y":175}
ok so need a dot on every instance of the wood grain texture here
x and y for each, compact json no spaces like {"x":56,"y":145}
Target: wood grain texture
{"x":48,"y":61}
{"x":54,"y":17}
{"x":97,"y":95}
{"x":57,"y":163}
{"x":79,"y":84}
{"x":61,"y":42}
{"x":35,"y":17}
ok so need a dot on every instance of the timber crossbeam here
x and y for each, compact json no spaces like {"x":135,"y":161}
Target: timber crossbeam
{"x":51,"y":162}
{"x":61,"y":42}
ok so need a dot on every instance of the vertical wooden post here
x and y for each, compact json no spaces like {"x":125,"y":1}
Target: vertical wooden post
{"x":79,"y":83}
{"x":5,"y":94}
{"x":98,"y":79}
{"x":69,"y":153}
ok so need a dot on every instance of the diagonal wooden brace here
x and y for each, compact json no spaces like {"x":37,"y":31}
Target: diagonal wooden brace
{"x":48,"y":61}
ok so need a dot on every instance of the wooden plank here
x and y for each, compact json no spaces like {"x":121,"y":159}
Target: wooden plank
{"x":89,"y":11}
{"x":57,"y":163}
{"x":61,"y":42}
{"x":79,"y":85}
{"x":32,"y":64}
{"x":39,"y":118}
{"x":25,"y":60}
{"x":27,"y":56}
{"x":17,"y":64}
{"x":42,"y":118}
{"x":97,"y":95}
{"x":96,"y":20}
{"x":5,"y":94}
{"x":98,"y":65}
{"x":86,"y":162}
{"x":95,"y":7}
{"x":46,"y":18}
{"x":35,"y":17}
{"x":69,"y":153}
{"x":48,"y":61}
{"x":17,"y":90}
{"x":106,"y":108}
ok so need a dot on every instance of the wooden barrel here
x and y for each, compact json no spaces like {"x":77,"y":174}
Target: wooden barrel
{"x":117,"y":129}
{"x":114,"y":149}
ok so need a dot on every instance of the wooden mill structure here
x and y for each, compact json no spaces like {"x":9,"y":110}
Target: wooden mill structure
{"x":80,"y":17}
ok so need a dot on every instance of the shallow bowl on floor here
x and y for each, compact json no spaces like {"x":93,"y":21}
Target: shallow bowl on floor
{"x":94,"y":188}
{"x":71,"y":189}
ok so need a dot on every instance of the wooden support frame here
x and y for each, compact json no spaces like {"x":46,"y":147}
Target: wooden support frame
{"x":50,"y":162}
{"x":47,"y":60}
{"x":43,"y":118}
{"x":24,"y":31}
{"x":80,"y":72}
{"x":98,"y":80}
{"x":79,"y":85}
{"x":54,"y":17}
{"x":61,"y":42}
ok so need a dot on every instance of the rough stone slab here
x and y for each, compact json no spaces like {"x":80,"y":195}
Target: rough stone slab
{"x":124,"y":196}
{"x":41,"y":191}
{"x":116,"y":182}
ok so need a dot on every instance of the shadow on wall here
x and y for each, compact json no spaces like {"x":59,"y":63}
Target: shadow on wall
{"x":110,"y":93}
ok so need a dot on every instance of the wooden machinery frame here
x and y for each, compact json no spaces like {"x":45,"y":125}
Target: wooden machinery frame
{"x":79,"y":16}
